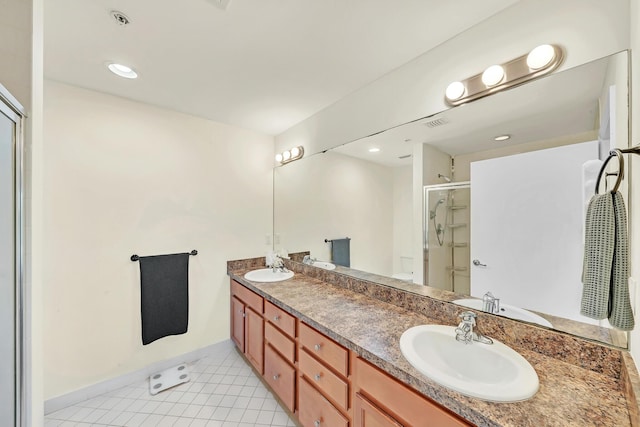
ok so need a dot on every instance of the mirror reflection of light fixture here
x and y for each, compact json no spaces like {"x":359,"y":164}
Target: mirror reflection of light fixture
{"x":122,"y":70}
{"x":540,"y":61}
{"x":290,"y":155}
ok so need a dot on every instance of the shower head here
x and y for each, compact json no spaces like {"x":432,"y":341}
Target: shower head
{"x":446,"y":178}
{"x":432,"y":213}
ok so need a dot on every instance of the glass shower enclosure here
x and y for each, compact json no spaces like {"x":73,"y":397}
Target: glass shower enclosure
{"x":12,"y":372}
{"x":446,"y":236}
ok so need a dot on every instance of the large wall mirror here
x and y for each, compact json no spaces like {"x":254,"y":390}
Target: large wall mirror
{"x":439,"y":204}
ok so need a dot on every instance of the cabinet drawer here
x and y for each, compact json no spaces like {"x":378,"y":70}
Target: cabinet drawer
{"x":331,"y":385}
{"x":366,"y":414}
{"x":280,"y":318}
{"x":401,"y":402}
{"x":280,"y":376}
{"x":315,"y":410}
{"x":324,"y":348}
{"x":250,"y":298}
{"x":279,"y":341}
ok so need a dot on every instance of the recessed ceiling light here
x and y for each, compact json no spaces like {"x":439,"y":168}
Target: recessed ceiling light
{"x":502,"y":137}
{"x":374,"y":150}
{"x":122,"y":70}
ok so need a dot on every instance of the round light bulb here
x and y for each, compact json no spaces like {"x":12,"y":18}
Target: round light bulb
{"x":502,"y":137}
{"x":455,"y":91}
{"x":295,"y":151}
{"x":541,"y":56}
{"x":278,"y":157}
{"x":493,"y":75}
{"x":286,"y":155}
{"x":374,"y":150}
{"x":122,"y":71}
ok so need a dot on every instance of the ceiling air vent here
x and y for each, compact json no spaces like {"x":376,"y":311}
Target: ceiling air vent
{"x":437,"y":122}
{"x":120,"y":18}
{"x":222,"y":4}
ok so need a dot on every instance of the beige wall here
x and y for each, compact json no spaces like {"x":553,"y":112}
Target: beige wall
{"x":122,"y":178}
{"x":15,"y":48}
{"x":634,"y":205}
{"x":586,"y":29}
{"x":402,"y":218}
{"x":329,"y":196}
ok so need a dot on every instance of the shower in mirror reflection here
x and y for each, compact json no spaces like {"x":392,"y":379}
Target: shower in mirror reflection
{"x":446,"y":240}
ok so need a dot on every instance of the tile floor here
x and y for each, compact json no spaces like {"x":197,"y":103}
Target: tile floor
{"x":223,"y":392}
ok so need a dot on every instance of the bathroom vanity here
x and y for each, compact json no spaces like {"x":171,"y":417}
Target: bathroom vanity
{"x":330,"y":351}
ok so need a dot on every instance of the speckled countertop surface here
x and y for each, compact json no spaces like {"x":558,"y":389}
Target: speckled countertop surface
{"x":569,"y":395}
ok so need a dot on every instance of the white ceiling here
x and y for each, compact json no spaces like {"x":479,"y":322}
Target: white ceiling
{"x":557,"y":105}
{"x":260,"y":64}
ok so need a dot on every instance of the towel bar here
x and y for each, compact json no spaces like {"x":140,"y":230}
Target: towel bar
{"x":329,"y":240}
{"x":135,"y":258}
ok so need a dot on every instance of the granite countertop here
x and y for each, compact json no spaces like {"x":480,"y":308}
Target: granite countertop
{"x":569,"y":395}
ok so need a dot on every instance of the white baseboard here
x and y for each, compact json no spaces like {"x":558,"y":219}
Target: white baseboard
{"x":94,"y":390}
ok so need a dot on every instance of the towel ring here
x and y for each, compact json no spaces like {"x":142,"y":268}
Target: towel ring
{"x":613,"y":153}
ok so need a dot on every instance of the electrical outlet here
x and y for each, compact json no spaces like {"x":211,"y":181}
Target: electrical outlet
{"x":276,"y":239}
{"x":267,"y":239}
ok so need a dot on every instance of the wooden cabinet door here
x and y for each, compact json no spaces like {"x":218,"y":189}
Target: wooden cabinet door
{"x":237,"y":322}
{"x":366,"y":414}
{"x":280,"y":376}
{"x":254,"y":339}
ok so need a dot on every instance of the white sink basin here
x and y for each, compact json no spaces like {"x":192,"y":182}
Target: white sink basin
{"x":507,"y":310}
{"x":325,"y":265}
{"x":491,"y":372}
{"x":268,"y":275}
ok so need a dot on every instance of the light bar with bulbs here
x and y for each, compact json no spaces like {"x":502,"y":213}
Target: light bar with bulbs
{"x":540,"y":61}
{"x":290,"y":155}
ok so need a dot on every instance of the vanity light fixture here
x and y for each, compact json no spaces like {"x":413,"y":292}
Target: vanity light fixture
{"x":540,"y":61}
{"x":541,"y":56}
{"x":493,"y":75}
{"x":455,"y":90}
{"x":502,"y":137}
{"x":122,"y":70}
{"x":290,"y":155}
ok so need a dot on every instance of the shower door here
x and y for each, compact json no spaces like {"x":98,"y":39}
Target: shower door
{"x":446,"y":236}
{"x":10,"y":263}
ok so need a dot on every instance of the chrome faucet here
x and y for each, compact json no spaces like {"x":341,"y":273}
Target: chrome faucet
{"x":490,"y":304}
{"x":278,"y":264}
{"x":465,"y":332}
{"x":308,"y":260}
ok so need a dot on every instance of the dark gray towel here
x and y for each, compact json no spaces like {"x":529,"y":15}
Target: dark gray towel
{"x":164,"y":302}
{"x":340,"y":252}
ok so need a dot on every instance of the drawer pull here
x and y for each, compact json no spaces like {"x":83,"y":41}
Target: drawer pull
{"x":276,"y":318}
{"x":317,"y":377}
{"x":316,"y":423}
{"x":276,"y":376}
{"x":317,"y":347}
